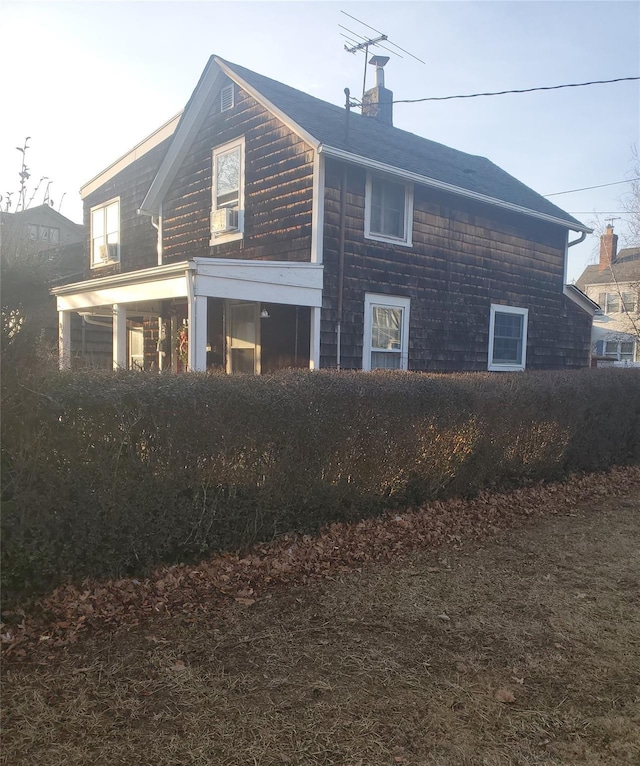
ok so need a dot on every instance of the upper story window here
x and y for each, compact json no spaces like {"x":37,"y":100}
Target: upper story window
{"x":386,"y":332}
{"x":43,"y":233}
{"x":227,"y":209}
{"x":614,"y":302}
{"x":508,"y":338}
{"x":388,"y":210}
{"x":105,"y":233}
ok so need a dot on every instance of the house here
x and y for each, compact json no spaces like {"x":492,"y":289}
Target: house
{"x":262,"y":228}
{"x":614,"y":283}
{"x":44,"y":231}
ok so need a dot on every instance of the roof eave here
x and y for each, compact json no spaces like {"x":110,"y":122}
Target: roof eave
{"x":356,"y":159}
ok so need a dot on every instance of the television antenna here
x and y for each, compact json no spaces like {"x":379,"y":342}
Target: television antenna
{"x":363,"y":44}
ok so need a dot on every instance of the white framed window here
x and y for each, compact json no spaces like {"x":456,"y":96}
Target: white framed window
{"x":386,"y":332}
{"x":620,"y":350}
{"x":508,"y":338}
{"x":227,"y":207}
{"x":105,"y":233}
{"x":388,"y":211}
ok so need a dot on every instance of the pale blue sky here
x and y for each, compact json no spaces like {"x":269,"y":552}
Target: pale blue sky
{"x":88,"y":80}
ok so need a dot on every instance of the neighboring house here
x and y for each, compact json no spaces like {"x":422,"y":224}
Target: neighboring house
{"x":46,"y":234}
{"x":44,"y":231}
{"x":263,"y":228}
{"x":614,"y":283}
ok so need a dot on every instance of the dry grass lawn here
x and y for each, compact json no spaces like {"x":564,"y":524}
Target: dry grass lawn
{"x":396,"y":664}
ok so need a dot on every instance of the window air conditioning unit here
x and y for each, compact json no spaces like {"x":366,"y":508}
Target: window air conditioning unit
{"x":108,"y":253}
{"x":223,"y":220}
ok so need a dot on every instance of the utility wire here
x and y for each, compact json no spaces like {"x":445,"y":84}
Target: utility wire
{"x":586,"y":188}
{"x":380,"y":33}
{"x":523,"y":90}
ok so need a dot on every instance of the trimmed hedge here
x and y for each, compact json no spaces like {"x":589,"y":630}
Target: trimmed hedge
{"x":107,"y":474}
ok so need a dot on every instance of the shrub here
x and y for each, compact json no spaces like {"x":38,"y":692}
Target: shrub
{"x":107,"y":474}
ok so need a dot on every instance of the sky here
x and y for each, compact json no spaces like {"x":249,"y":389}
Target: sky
{"x":89,"y":80}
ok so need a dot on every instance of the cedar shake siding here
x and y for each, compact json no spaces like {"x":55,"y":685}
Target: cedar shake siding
{"x":138,"y":238}
{"x":277,"y":197}
{"x":465,"y":256}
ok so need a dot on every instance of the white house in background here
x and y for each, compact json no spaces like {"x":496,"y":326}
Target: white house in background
{"x":614,"y":284}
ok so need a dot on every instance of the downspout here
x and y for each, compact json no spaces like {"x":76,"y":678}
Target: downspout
{"x":343,"y":210}
{"x":343,"y":216}
{"x":580,"y":239}
{"x":156,"y":222}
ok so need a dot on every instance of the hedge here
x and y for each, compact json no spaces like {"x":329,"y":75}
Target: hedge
{"x":108,"y":474}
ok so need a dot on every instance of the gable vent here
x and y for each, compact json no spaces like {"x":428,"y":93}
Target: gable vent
{"x":226,"y":98}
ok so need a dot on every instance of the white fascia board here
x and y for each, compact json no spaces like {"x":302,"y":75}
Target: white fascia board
{"x":150,"y":142}
{"x":164,"y":289}
{"x":282,"y":116}
{"x":408,"y":175}
{"x":267,"y":281}
{"x":578,"y":297}
{"x":119,"y":280}
{"x":317,"y":209}
{"x":190,"y":124}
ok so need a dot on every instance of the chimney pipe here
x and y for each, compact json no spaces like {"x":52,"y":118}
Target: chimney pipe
{"x":608,"y":248}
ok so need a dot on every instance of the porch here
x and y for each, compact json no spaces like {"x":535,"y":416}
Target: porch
{"x":240,"y":316}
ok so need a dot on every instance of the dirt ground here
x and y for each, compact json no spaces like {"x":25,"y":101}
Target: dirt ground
{"x":522,"y":650}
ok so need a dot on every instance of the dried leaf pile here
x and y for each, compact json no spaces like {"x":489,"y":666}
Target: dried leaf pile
{"x":193,"y":591}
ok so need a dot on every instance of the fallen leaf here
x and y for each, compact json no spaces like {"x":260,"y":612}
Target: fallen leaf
{"x":179,"y":666}
{"x":246,"y":601}
{"x":504,"y":695}
{"x":444,"y":616}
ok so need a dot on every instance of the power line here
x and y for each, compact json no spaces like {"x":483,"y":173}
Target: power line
{"x":587,"y":188}
{"x":523,"y":90}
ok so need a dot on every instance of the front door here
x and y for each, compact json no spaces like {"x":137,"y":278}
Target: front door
{"x":243,"y":338}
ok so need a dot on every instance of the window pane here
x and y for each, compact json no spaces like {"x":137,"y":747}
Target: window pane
{"x":228,"y":178}
{"x":629,"y":301}
{"x":97,"y":223}
{"x":626,"y":351}
{"x":381,"y":360}
{"x":387,"y":208}
{"x":54,"y":235}
{"x":613,"y":303}
{"x":507,"y":338}
{"x":386,"y":328}
{"x":611,"y":349}
{"x":113,"y":221}
{"x":242,"y":361}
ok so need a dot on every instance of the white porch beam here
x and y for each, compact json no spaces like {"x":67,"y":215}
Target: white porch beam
{"x":64,"y":340}
{"x":119,"y":336}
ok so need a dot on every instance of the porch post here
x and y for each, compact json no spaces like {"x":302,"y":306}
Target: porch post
{"x":119,"y":336}
{"x":64,"y":340}
{"x":197,"y":314}
{"x":314,"y":340}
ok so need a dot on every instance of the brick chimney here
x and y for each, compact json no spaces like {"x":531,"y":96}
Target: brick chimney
{"x":378,"y":101}
{"x":608,"y":248}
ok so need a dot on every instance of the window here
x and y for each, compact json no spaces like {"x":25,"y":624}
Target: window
{"x":386,"y":332}
{"x":620,"y":350}
{"x":136,"y":347}
{"x":507,"y":338}
{"x":43,"y":233}
{"x":105,"y":233}
{"x":227,"y":209}
{"x":629,"y":302}
{"x":388,"y":210}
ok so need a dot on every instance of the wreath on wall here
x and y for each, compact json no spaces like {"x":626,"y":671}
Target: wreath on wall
{"x":182,"y":342}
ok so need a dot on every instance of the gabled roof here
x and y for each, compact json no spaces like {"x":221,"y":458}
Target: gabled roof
{"x":42,"y":212}
{"x":626,"y":268}
{"x":367,"y":142}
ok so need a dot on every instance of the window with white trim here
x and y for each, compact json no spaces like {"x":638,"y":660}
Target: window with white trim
{"x":508,"y":338}
{"x":105,"y":233}
{"x":386,"y":332}
{"x":227,"y":209}
{"x":620,"y":350}
{"x":388,"y":214}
